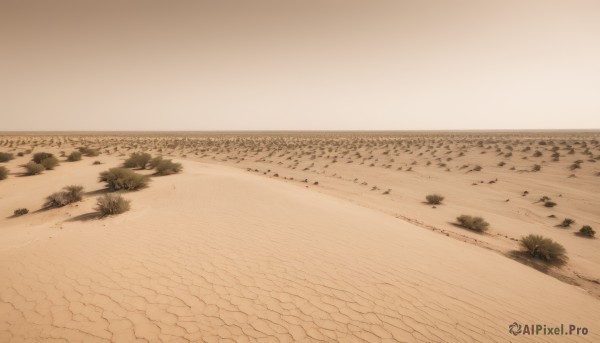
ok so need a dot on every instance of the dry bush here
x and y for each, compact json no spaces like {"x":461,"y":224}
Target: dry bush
{"x":543,"y":248}
{"x":88,"y":151}
{"x":74,"y":156}
{"x":473,"y":223}
{"x":20,"y":212}
{"x":168,"y":167}
{"x":110,"y":204}
{"x":434,"y":199}
{"x":549,"y":203}
{"x":32,"y":168}
{"x":137,"y":160}
{"x":6,"y":156}
{"x":587,"y":231}
{"x":567,"y":222}
{"x":38,"y":157}
{"x":3,"y":173}
{"x":123,"y":179}
{"x":68,"y":195}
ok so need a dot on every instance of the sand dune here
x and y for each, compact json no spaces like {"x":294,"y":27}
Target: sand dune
{"x":218,"y":254}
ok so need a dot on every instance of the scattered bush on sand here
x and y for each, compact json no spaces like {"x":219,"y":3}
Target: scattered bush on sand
{"x":587,"y":231}
{"x":137,"y":160}
{"x":168,"y":167}
{"x":543,"y":248}
{"x":473,"y":223}
{"x":154,"y":162}
{"x":68,"y":195}
{"x":549,"y":204}
{"x":20,"y":212}
{"x":567,"y":222}
{"x":74,"y":156}
{"x":3,"y":173}
{"x":123,"y":179}
{"x":39,"y":156}
{"x":88,"y":151}
{"x":110,"y":204}
{"x":32,"y":168}
{"x":434,"y":199}
{"x":6,"y":156}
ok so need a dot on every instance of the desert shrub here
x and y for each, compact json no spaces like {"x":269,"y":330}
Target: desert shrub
{"x":501,"y":164}
{"x":20,"y":154}
{"x":32,"y":168}
{"x":549,"y":204}
{"x":123,"y":179}
{"x":137,"y":160}
{"x":39,"y":156}
{"x":110,"y":204}
{"x":49,"y":163}
{"x":97,"y":162}
{"x":536,"y":168}
{"x":168,"y":167}
{"x":587,"y":231}
{"x":6,"y":156}
{"x":20,"y":212}
{"x":154,"y":162}
{"x":88,"y":151}
{"x":543,"y":248}
{"x":68,"y":195}
{"x":567,"y":222}
{"x":473,"y":223}
{"x":434,"y":199}
{"x":3,"y":173}
{"x":477,"y":168}
{"x":74,"y":156}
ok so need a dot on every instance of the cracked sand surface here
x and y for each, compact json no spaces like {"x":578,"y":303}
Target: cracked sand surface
{"x":216,"y":254}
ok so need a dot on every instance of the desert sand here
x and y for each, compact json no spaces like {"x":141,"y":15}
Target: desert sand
{"x":302,"y":237}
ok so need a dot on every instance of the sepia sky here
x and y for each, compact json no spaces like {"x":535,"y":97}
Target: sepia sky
{"x":299,"y":65}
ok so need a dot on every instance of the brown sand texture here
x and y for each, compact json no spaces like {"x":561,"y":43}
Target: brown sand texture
{"x":220,"y":254}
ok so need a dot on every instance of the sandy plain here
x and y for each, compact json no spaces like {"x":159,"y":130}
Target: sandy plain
{"x":302,"y":237}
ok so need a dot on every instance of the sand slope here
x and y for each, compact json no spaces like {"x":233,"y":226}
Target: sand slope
{"x":218,"y":254}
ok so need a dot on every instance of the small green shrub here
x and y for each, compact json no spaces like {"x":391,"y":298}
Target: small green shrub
{"x":74,"y":156}
{"x":32,"y":168}
{"x":3,"y":173}
{"x":587,"y":231}
{"x":49,"y":163}
{"x":543,"y":248}
{"x":20,"y":212}
{"x":110,"y":204}
{"x":123,"y":179}
{"x":434,"y":199}
{"x":6,"y":156}
{"x":68,"y":195}
{"x":168,"y":167}
{"x":154,"y":162}
{"x":473,"y":223}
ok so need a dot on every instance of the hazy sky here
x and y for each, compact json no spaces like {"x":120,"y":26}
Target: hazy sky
{"x":299,"y":65}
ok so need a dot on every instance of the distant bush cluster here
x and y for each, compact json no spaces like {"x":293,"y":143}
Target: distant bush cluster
{"x":587,"y":231}
{"x":74,"y":156}
{"x":144,"y":160}
{"x":68,"y":195}
{"x":3,"y":173}
{"x":123,"y":179}
{"x":543,"y":248}
{"x":137,"y":160}
{"x":88,"y":151}
{"x":6,"y":156}
{"x":32,"y":168}
{"x":473,"y":223}
{"x":20,"y":212}
{"x":434,"y":199}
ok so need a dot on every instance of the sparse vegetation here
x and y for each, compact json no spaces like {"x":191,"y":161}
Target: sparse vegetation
{"x":20,"y":212}
{"x":3,"y":173}
{"x":6,"y":156}
{"x":32,"y":168}
{"x":434,"y":199}
{"x":167,"y":167}
{"x":123,"y":179}
{"x":473,"y":223}
{"x":137,"y":160}
{"x":587,"y":231}
{"x":111,"y":204}
{"x":543,"y":248}
{"x":567,"y":222}
{"x":68,"y":195}
{"x":74,"y":156}
{"x":549,"y":204}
